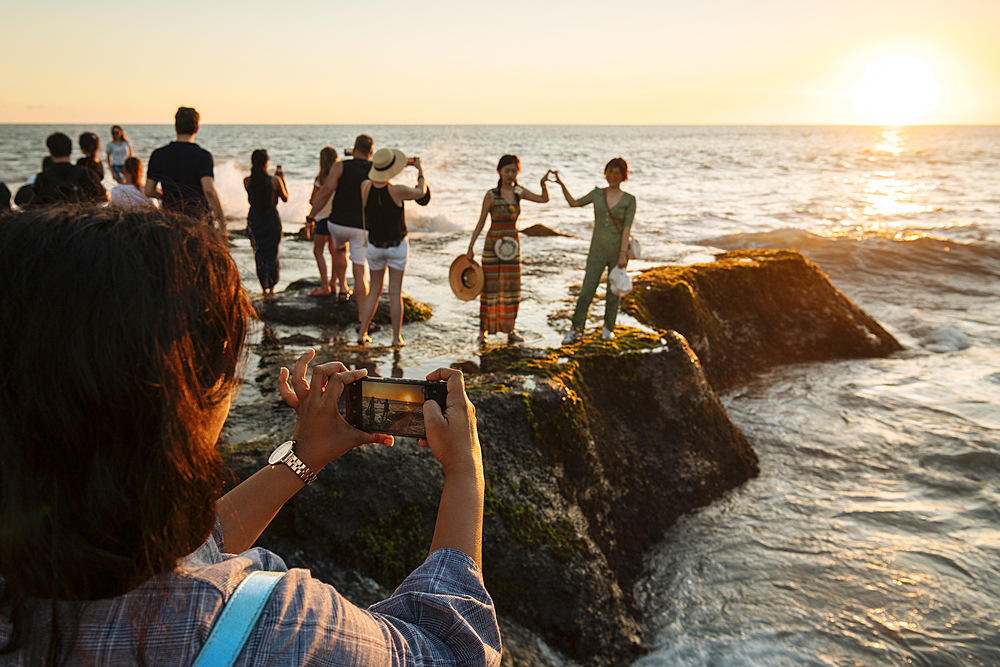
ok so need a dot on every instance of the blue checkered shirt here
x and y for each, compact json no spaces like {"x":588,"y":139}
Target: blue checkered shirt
{"x":440,"y":615}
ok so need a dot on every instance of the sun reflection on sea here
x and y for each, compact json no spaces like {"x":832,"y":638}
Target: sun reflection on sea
{"x":884,"y":200}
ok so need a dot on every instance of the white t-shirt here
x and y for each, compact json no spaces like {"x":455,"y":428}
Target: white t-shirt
{"x":127,"y":197}
{"x":118,"y":152}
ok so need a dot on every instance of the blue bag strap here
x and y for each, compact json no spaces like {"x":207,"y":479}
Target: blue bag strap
{"x":237,"y":619}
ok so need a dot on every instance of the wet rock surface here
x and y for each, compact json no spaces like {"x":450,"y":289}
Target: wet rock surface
{"x":591,"y":453}
{"x":754,"y":309}
{"x":296,"y":307}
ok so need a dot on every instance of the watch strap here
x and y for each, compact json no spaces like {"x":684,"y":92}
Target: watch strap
{"x":298,"y":467}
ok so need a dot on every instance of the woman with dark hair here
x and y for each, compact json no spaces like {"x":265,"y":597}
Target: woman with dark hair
{"x":115,"y":549}
{"x":501,"y":294}
{"x":118,"y":151}
{"x":614,"y":211}
{"x":129,"y":196}
{"x":263,"y":221}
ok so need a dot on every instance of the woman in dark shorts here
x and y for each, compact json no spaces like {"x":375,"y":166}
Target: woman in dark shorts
{"x":321,"y":233}
{"x":263,"y":221}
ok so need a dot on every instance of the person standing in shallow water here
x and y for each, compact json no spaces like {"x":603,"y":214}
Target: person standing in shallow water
{"x":118,"y":151}
{"x":263,"y":222}
{"x":501,"y":297}
{"x":614,"y":211}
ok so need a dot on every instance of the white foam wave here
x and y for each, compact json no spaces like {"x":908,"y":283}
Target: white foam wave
{"x":229,"y":184}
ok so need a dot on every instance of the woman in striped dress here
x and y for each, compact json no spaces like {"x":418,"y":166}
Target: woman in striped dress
{"x":501,"y":294}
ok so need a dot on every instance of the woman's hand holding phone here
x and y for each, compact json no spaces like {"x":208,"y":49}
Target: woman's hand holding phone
{"x":451,"y":434}
{"x":454,"y":441}
{"x":321,"y":433}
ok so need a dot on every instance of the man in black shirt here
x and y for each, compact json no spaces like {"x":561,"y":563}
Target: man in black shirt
{"x":186,"y":172}
{"x":60,"y":182}
{"x":346,"y":221}
{"x":94,"y":191}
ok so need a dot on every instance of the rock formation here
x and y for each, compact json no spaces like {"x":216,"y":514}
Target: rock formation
{"x":295,"y":307}
{"x":589,"y":458}
{"x":754,"y":309}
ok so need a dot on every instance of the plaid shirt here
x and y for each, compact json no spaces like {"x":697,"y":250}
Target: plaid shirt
{"x":440,"y":615}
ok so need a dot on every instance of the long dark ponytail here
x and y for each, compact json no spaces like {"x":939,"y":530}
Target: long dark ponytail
{"x":260,"y":183}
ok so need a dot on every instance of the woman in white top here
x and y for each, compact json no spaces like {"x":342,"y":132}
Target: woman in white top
{"x":119,"y":150}
{"x":129,"y":196}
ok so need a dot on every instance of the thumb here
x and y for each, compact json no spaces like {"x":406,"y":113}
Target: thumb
{"x":434,"y":420}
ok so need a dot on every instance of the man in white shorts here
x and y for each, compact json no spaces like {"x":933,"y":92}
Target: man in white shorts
{"x":346,"y":220}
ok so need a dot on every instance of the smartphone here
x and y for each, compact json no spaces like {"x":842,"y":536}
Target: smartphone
{"x":410,"y":161}
{"x":392,"y":406}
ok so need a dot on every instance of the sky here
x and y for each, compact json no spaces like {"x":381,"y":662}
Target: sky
{"x":521,"y":62}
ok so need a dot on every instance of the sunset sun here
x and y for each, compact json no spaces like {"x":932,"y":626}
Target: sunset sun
{"x":895,"y":90}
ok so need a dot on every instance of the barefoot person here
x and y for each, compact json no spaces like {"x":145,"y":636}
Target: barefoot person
{"x":346,"y":223}
{"x":321,"y":232}
{"x":614,"y":210}
{"x":501,"y":295}
{"x":263,"y":221}
{"x":382,"y":203}
{"x":116,"y":547}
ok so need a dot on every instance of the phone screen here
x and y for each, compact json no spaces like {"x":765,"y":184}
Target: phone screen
{"x":395,"y":407}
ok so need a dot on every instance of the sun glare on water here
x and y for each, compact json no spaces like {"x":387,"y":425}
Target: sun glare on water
{"x":895,"y":90}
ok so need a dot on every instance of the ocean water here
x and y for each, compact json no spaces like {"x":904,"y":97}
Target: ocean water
{"x":872,"y":535}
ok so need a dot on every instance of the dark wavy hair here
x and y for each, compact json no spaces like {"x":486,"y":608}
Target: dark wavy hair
{"x":504,"y":161}
{"x":128,"y":337}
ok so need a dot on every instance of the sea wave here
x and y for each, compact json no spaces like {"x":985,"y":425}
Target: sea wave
{"x":910,"y":251}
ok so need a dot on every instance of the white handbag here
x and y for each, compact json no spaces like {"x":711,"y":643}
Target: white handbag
{"x":620,"y":281}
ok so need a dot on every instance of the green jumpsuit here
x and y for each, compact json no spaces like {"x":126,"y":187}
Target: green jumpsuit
{"x":605,"y":247}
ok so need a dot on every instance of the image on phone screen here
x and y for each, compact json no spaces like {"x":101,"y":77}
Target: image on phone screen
{"x":396,"y":408}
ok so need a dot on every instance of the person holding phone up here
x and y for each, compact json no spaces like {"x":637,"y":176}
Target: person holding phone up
{"x":116,"y":548}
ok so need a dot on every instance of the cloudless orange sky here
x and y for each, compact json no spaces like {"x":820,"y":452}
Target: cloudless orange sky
{"x":468,"y":62}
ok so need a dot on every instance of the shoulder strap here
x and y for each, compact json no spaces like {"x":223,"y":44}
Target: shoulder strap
{"x":618,"y":224}
{"x":237,"y":619}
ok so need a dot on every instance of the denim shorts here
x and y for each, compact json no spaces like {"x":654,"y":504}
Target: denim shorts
{"x":394,"y":257}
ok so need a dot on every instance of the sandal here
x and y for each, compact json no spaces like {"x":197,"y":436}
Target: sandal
{"x":364,"y":341}
{"x":514,"y":337}
{"x":343,"y":296}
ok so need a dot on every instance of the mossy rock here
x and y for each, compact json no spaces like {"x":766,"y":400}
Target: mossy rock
{"x":295,"y":307}
{"x":754,"y":309}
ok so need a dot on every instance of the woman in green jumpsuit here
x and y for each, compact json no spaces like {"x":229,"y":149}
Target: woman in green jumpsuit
{"x":614,"y":210}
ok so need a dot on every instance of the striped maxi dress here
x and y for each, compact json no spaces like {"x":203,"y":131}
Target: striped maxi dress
{"x":501,"y":294}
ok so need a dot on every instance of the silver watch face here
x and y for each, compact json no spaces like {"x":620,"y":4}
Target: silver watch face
{"x":280,"y":452}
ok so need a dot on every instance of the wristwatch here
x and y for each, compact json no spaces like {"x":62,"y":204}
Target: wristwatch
{"x":284,"y":454}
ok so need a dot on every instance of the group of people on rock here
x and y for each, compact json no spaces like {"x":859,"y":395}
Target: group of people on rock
{"x":356,"y":215}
